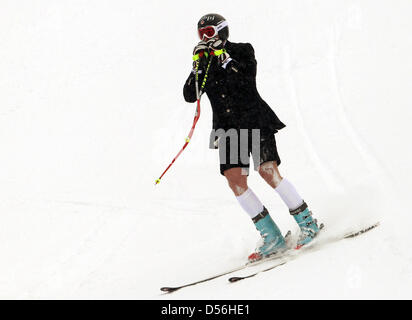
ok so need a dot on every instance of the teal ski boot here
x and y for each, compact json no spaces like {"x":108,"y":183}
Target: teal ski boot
{"x":308,"y":226}
{"x":273,"y":241}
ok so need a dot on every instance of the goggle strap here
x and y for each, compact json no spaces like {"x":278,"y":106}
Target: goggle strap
{"x":221,"y":25}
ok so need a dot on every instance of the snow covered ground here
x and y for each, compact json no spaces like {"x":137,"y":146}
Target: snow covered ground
{"x":91,"y":112}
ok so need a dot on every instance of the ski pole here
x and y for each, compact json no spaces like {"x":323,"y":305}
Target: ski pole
{"x":197,"y":115}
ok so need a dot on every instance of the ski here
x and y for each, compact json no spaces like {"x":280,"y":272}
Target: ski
{"x":282,"y":260}
{"x":173,"y":289}
{"x":246,"y":265}
{"x":289,"y":257}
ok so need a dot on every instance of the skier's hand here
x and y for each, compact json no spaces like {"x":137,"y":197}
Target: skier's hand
{"x":200,"y":47}
{"x":215,"y":44}
{"x":200,"y":55}
{"x":216,"y":48}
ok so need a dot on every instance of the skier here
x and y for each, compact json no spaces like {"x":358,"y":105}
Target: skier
{"x":231,"y":88}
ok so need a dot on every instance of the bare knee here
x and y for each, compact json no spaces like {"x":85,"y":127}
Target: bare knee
{"x":270,"y":173}
{"x":237,"y":180}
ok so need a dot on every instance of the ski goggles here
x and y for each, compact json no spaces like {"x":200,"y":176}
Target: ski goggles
{"x":211,"y":31}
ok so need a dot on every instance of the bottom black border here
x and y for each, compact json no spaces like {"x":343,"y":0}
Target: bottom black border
{"x":202,"y":309}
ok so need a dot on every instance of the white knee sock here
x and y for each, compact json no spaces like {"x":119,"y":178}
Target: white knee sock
{"x":289,"y":195}
{"x":250,"y":203}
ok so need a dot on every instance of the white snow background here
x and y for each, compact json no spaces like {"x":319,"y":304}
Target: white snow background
{"x":92,"y":112}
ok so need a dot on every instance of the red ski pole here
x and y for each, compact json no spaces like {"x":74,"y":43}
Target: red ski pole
{"x":195,"y":120}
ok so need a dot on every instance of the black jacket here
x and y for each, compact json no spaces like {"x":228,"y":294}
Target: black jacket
{"x":232,"y":92}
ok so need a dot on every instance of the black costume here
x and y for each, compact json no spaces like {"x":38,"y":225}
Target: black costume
{"x":235,"y":100}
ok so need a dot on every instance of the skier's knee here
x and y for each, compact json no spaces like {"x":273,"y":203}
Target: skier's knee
{"x":270,"y":173}
{"x":238,"y":187}
{"x":237,"y":182}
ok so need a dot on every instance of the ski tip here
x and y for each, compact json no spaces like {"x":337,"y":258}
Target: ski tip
{"x":168,"y":289}
{"x":354,"y":234}
{"x":235,"y":279}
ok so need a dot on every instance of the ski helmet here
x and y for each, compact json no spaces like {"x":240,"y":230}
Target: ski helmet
{"x":211,"y":24}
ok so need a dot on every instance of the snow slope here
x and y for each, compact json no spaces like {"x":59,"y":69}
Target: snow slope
{"x":91,"y":112}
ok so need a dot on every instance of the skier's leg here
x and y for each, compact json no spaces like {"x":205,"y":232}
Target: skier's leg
{"x":273,"y":240}
{"x":270,"y":173}
{"x":297,"y":207}
{"x":237,"y":180}
{"x":236,"y":173}
{"x":268,"y":170}
{"x":244,"y":195}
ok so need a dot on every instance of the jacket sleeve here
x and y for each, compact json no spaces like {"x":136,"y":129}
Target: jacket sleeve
{"x":189,"y":89}
{"x":245,"y":65}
